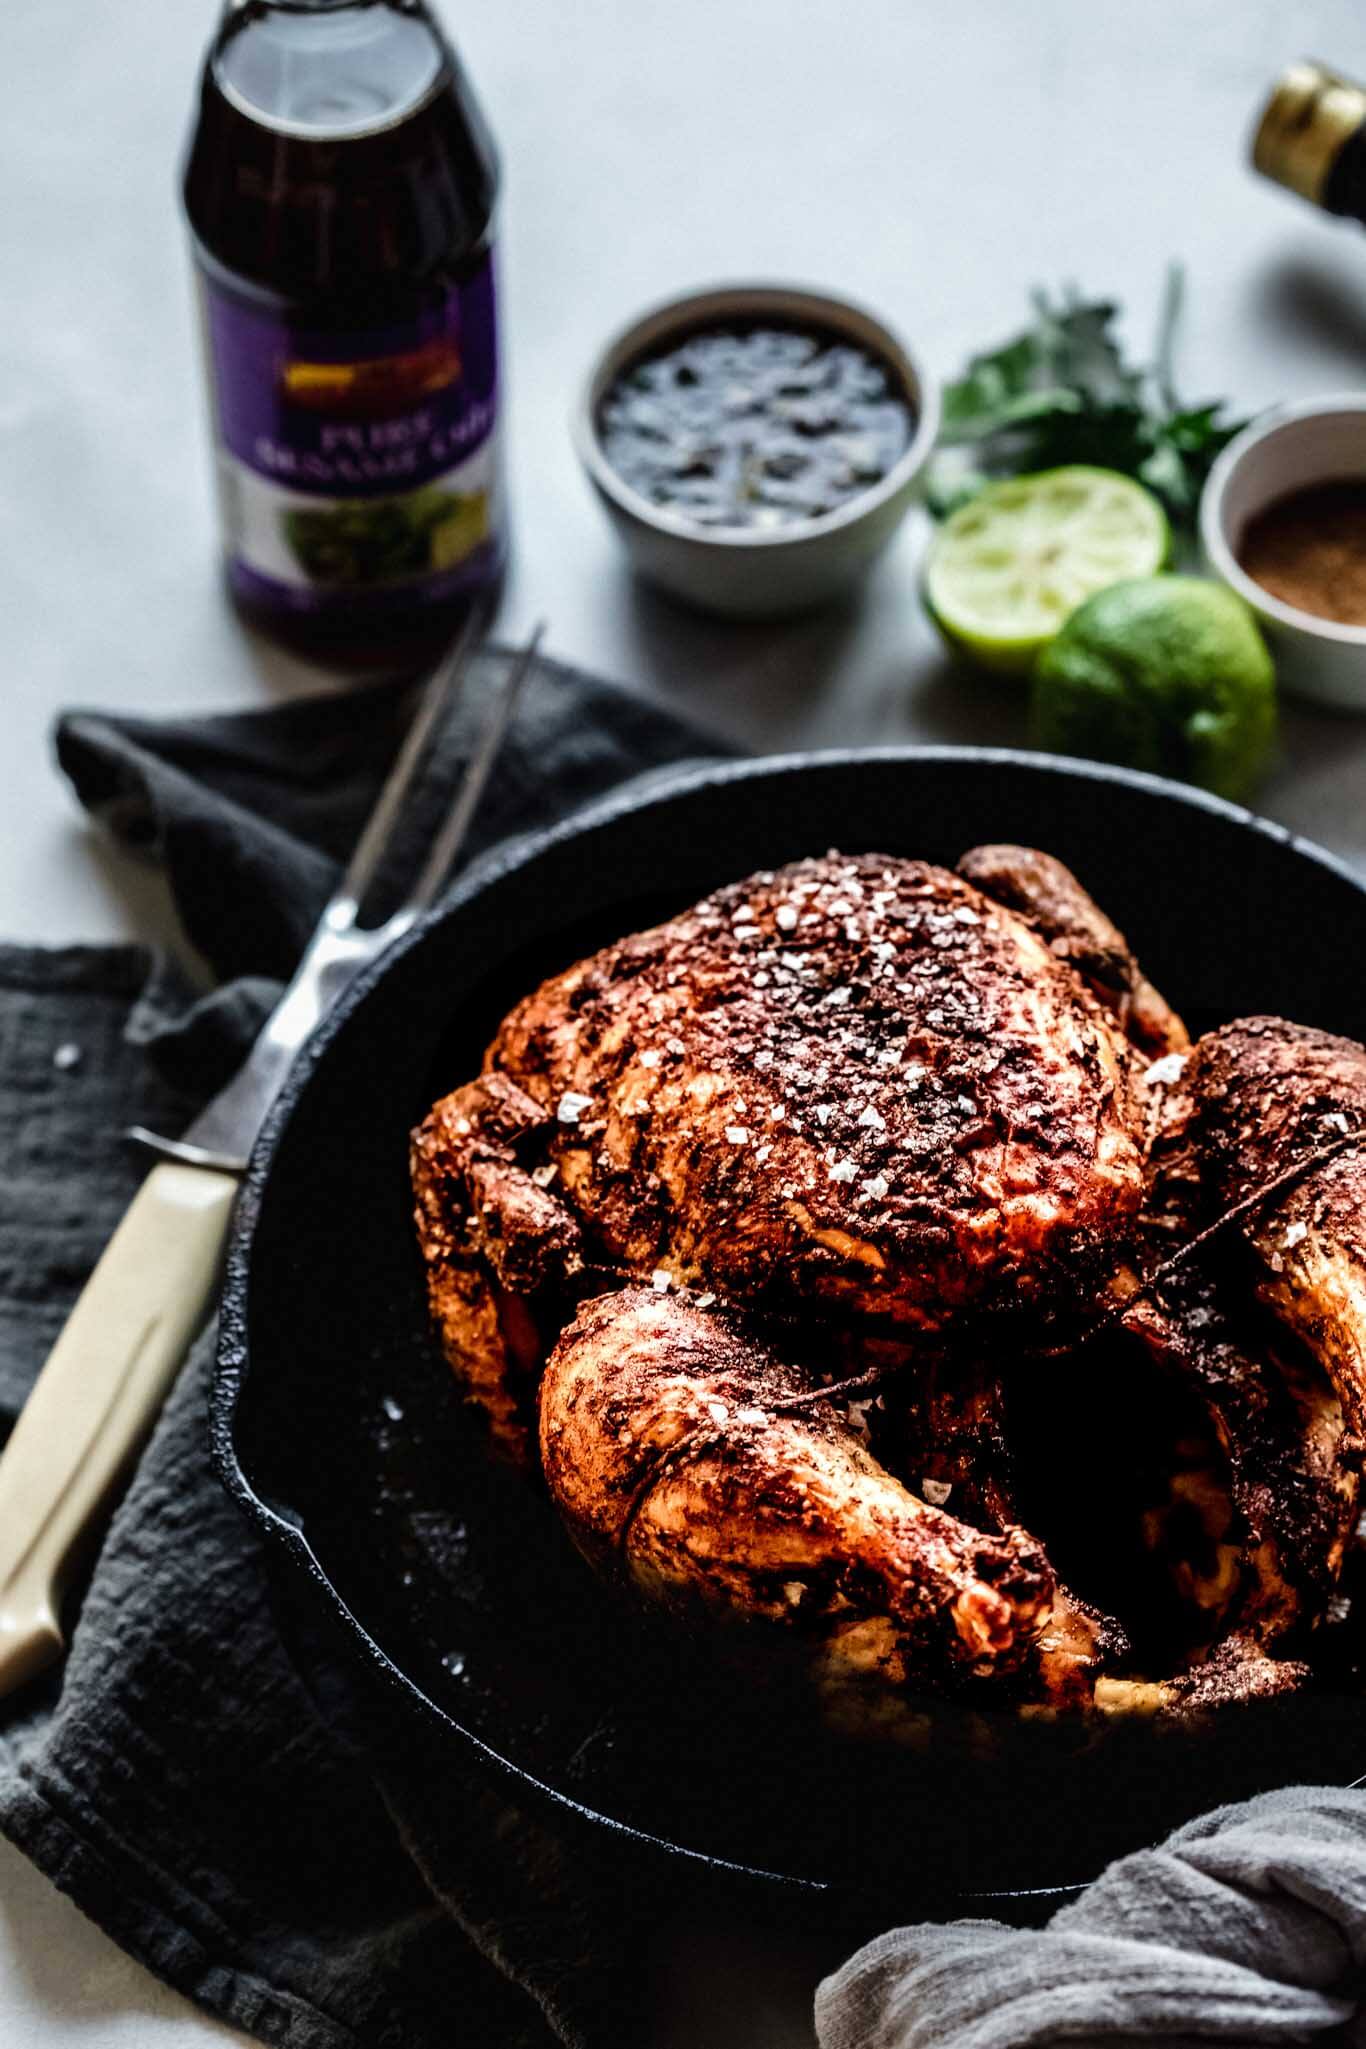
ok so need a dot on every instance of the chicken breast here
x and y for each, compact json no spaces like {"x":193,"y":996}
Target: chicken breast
{"x":857,"y":1083}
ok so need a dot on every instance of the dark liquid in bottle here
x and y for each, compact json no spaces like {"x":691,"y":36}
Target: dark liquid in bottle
{"x":340,"y":186}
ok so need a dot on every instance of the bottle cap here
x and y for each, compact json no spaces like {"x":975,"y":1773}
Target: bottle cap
{"x":1310,"y":115}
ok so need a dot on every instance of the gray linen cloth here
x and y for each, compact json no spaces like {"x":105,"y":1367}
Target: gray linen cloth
{"x":1248,"y":1925}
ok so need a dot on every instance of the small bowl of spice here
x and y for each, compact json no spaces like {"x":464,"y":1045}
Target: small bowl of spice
{"x":756,"y":446}
{"x":1283,"y":522}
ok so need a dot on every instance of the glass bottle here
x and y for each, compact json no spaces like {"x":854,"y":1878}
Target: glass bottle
{"x":340,"y":186}
{"x":1311,"y":138}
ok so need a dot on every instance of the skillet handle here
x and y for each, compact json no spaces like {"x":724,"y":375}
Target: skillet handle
{"x":98,"y":1395}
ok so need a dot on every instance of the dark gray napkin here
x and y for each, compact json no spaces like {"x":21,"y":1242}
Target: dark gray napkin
{"x":176,"y":1777}
{"x":1248,"y":1925}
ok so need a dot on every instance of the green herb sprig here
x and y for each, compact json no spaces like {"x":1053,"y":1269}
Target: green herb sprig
{"x":1062,"y":392}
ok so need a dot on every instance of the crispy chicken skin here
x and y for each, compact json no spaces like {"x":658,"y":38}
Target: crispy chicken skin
{"x":868,"y":1119}
{"x":497,"y":1243}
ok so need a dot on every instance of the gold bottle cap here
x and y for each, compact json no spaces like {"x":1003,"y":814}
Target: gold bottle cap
{"x":1310,"y":115}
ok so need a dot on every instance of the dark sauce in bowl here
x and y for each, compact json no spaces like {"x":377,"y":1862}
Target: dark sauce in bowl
{"x":755,"y":428}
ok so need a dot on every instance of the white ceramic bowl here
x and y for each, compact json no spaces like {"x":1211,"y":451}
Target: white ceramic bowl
{"x":1318,"y":441}
{"x":741,"y":571}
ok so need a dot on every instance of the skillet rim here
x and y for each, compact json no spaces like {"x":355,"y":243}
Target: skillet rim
{"x":287,"y":1545}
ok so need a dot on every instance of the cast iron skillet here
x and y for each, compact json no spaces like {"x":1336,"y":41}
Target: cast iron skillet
{"x":435,"y":1597}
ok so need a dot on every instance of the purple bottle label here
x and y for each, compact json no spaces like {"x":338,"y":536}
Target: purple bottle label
{"x":358,"y":467}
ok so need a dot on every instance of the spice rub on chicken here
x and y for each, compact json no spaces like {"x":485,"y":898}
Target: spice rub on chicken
{"x":753,"y":1220}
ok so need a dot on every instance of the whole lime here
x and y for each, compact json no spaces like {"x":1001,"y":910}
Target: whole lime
{"x":1166,"y":673}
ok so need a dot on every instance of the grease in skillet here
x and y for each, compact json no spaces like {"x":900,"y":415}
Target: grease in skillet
{"x":755,"y":428}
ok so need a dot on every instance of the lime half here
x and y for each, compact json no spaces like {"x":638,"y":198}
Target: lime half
{"x":1007,"y":568}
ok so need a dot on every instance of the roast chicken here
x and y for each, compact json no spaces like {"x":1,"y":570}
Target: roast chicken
{"x":761,"y":1232}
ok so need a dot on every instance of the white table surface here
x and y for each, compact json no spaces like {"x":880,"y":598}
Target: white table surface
{"x":934,"y":157}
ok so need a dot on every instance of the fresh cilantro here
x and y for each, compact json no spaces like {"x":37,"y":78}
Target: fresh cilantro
{"x":1062,"y":392}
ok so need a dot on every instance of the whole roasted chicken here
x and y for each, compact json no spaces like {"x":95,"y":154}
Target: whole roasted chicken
{"x":760,"y":1230}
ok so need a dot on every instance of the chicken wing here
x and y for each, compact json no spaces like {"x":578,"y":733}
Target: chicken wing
{"x":501,"y":1250}
{"x":1079,"y":932}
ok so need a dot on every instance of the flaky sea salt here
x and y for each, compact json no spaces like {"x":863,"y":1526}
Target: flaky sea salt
{"x":659,"y":1281}
{"x":650,"y":1057}
{"x":843,"y":1170}
{"x":858,"y":1418}
{"x":876,"y":1186}
{"x":572,"y":1106}
{"x":936,"y":1492}
{"x":737,"y":1134}
{"x":785,"y":918}
{"x":872,"y":1119}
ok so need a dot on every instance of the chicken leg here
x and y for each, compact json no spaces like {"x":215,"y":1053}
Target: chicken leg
{"x":689,"y":1459}
{"x":1271,"y":1097}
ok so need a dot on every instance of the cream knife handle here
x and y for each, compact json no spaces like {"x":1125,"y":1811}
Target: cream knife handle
{"x":98,"y":1395}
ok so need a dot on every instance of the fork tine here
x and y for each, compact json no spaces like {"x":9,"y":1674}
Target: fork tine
{"x":460,"y":817}
{"x":436,"y":697}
